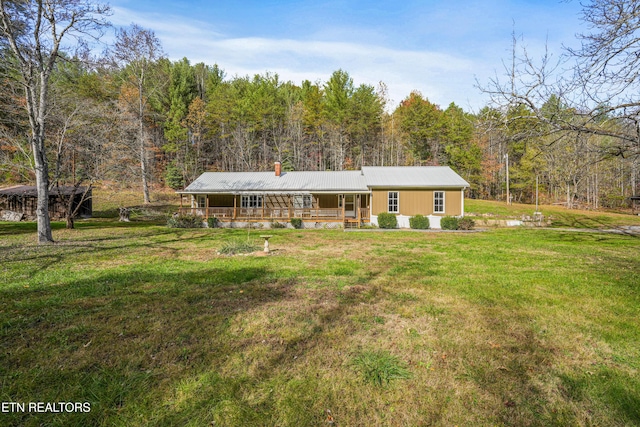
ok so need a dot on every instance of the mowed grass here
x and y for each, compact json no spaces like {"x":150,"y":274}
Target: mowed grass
{"x":560,"y":216}
{"x":153,"y":327}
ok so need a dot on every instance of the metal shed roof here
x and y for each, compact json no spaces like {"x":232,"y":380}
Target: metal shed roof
{"x":412,"y":177}
{"x":32,"y":191}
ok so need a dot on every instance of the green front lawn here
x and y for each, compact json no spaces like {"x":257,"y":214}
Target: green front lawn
{"x":152,"y":327}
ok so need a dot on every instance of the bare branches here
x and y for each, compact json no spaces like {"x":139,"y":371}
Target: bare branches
{"x":136,"y":45}
{"x":609,"y":57}
{"x":34,"y":31}
{"x":137,"y":50}
{"x":600,"y":97}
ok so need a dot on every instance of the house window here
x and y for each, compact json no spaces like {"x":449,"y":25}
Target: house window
{"x":201,"y":201}
{"x":251,"y":201}
{"x":302,"y":201}
{"x":394,"y":202}
{"x":438,"y":201}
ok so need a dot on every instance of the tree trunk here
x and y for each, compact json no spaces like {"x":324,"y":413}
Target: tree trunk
{"x":124,"y":214}
{"x":141,"y":136}
{"x":42,"y":207}
{"x":42,"y":185}
{"x":143,"y":171}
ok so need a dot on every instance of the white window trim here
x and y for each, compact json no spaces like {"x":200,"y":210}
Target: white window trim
{"x":201,"y":199}
{"x":245,"y":201}
{"x":397,"y":201}
{"x":434,"y":202}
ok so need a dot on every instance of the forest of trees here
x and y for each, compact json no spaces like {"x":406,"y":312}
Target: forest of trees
{"x":136,"y":118}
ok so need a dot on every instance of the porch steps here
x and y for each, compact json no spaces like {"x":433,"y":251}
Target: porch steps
{"x":351,"y":223}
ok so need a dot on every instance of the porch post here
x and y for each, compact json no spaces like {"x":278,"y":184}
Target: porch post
{"x":235,"y":203}
{"x":206,"y":206}
{"x":289,"y":206}
{"x":264,"y":201}
{"x":358,"y":210}
{"x":344,"y":204}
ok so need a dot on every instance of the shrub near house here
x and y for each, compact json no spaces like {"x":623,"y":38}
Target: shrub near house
{"x":466,"y":224}
{"x":387,"y":220}
{"x":453,"y":223}
{"x":419,"y":222}
{"x":185,"y":221}
{"x":449,"y":223}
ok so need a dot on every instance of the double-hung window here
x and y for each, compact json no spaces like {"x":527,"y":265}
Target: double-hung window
{"x":251,"y":201}
{"x":394,"y":202}
{"x":201,"y":201}
{"x":438,"y":201}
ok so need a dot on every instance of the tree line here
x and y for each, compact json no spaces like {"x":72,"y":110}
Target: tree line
{"x":134,"y":117}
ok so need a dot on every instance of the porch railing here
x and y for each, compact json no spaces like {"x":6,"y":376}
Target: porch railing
{"x":272,"y":214}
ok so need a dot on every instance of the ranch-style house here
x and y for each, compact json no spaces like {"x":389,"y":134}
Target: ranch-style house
{"x":350,"y":198}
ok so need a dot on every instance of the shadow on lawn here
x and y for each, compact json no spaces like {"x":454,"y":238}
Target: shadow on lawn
{"x":596,"y":223}
{"x":518,"y":360}
{"x":31,"y":227}
{"x":118,"y":338}
{"x":26,"y":227}
{"x":126,"y":342}
{"x":619,"y":391}
{"x":45,"y":256}
{"x":230,"y":399}
{"x":515,"y":358}
{"x":111,"y":339}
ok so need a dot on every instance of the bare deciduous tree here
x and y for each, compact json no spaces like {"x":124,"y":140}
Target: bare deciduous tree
{"x":33,"y":31}
{"x":602,"y":91}
{"x":136,"y":50}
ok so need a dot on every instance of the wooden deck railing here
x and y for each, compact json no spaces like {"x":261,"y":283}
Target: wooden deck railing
{"x":273,"y":214}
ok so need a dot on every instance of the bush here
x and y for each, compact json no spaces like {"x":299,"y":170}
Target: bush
{"x":276,"y":224}
{"x":419,"y":222}
{"x":449,"y":223}
{"x":466,"y":224}
{"x":212,"y":222}
{"x":185,"y":221}
{"x":387,"y":220}
{"x":296,"y":222}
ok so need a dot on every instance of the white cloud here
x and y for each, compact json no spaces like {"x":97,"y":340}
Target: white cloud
{"x":441,"y":77}
{"x":436,"y":75}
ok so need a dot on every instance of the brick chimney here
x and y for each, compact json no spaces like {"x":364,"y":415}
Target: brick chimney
{"x":278,"y":168}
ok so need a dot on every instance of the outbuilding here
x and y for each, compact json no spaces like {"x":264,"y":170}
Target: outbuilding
{"x":23,"y":199}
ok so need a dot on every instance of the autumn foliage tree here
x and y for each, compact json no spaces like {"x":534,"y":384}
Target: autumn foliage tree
{"x":135,"y":52}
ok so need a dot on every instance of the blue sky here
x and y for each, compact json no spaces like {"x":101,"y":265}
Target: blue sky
{"x":436,"y":47}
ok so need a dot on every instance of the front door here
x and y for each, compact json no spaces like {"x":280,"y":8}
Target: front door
{"x":350,"y":205}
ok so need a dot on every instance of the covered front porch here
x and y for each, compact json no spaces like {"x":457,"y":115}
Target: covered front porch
{"x":348,"y":208}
